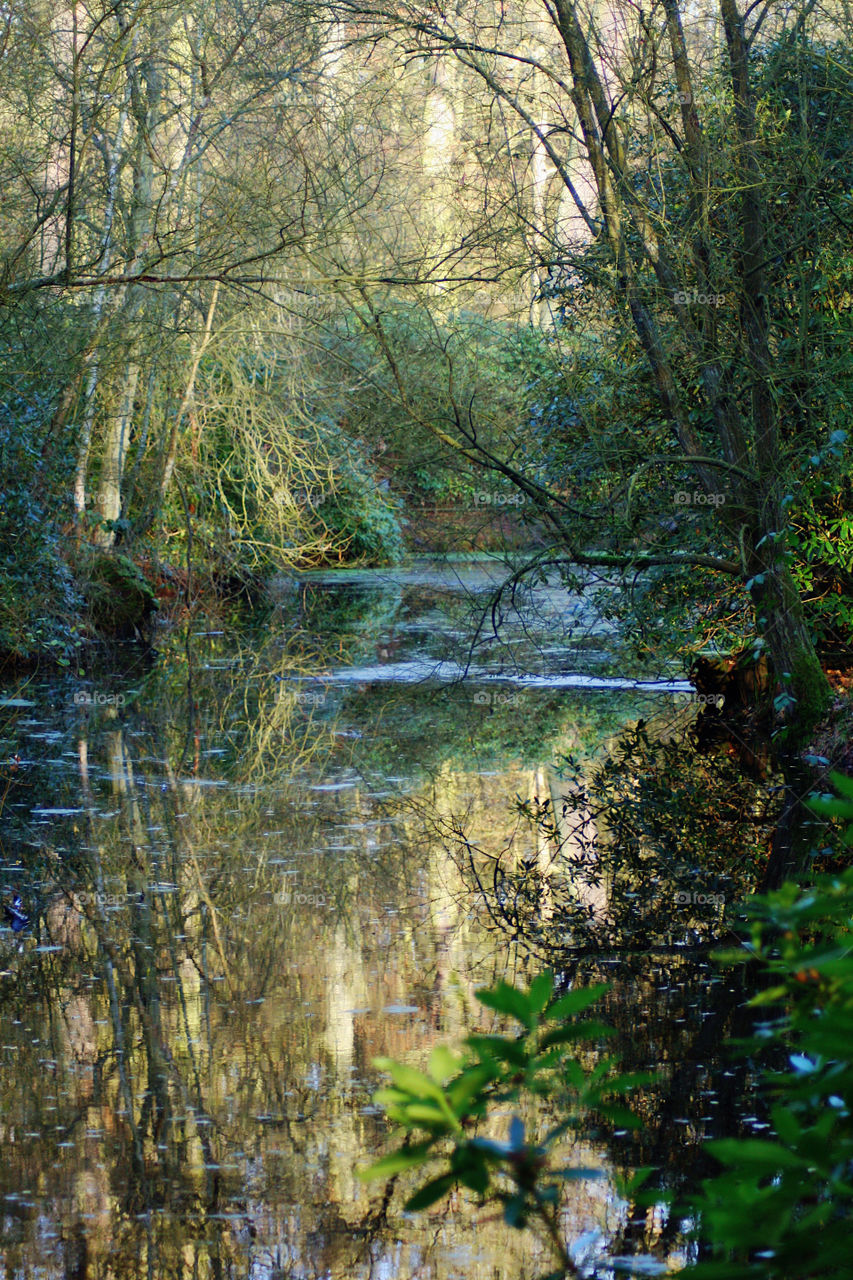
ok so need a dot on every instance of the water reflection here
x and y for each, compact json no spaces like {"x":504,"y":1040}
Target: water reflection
{"x":248,"y":873}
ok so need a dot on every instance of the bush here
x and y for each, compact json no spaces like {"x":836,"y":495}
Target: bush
{"x":38,"y":598}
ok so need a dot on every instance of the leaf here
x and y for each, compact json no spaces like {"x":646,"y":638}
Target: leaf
{"x":470,"y":1083}
{"x":756,"y":1152}
{"x":396,"y":1161}
{"x":576,"y":1031}
{"x":516,"y":1133}
{"x":575,"y":1074}
{"x":430,"y":1192}
{"x":491,"y":1147}
{"x":407,"y":1078}
{"x":771,"y":996}
{"x":514,"y":1212}
{"x":620,"y":1115}
{"x":630,"y":1080}
{"x":576,"y":1001}
{"x":475,"y":1176}
{"x":842,"y":783}
{"x":422,"y":1113}
{"x":390,"y":1097}
{"x":631,"y":1185}
{"x":504,"y":998}
{"x":501,"y":1047}
{"x":785,"y":1125}
{"x":443,"y":1064}
{"x":540,"y":991}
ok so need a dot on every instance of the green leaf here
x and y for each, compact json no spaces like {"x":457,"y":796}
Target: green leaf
{"x":630,"y":1080}
{"x":443,"y":1064}
{"x":756,"y":1152}
{"x":842,"y":783}
{"x":631,"y":1185}
{"x":475,"y":1176}
{"x":771,"y":996}
{"x":578,"y":1174}
{"x":405,"y":1158}
{"x":430,"y":1192}
{"x":432,"y":1117}
{"x":468,"y":1085}
{"x":576,"y":1001}
{"x":390,"y":1097}
{"x":504,"y":998}
{"x":514,"y":1212}
{"x":785,"y":1125}
{"x":491,"y":1147}
{"x":576,"y":1031}
{"x":501,"y":1047}
{"x":407,"y":1078}
{"x":620,"y":1115}
{"x":540,"y":991}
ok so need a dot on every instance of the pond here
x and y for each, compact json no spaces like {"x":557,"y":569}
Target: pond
{"x":256,"y":860}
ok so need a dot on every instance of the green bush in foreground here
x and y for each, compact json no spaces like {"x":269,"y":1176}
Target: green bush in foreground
{"x":781,"y":1207}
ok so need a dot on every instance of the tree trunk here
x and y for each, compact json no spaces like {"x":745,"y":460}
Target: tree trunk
{"x":781,"y":623}
{"x":116,"y":437}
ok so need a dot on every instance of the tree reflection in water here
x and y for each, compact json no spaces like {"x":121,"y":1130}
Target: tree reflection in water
{"x":254,"y":876}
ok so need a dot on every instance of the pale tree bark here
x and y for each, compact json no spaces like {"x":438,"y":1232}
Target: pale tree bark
{"x":143,"y":98}
{"x":114,"y":455}
{"x":113,"y":149}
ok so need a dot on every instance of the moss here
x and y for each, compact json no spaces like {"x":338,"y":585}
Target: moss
{"x":813,"y":695}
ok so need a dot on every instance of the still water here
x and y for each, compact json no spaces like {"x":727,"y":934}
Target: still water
{"x":267,"y":854}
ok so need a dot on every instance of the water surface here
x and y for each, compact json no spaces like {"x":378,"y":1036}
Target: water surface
{"x":266,"y":856}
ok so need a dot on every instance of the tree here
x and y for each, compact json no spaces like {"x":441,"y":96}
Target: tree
{"x":156,"y":158}
{"x":689,"y":144}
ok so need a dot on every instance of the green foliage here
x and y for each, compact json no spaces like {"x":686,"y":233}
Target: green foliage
{"x":279,"y":470}
{"x":782,"y":1208}
{"x":416,"y":382}
{"x":38,"y":597}
{"x":119,"y":597}
{"x":438,"y":1110}
{"x":821,"y":543}
{"x":360,"y":513}
{"x":598,"y":417}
